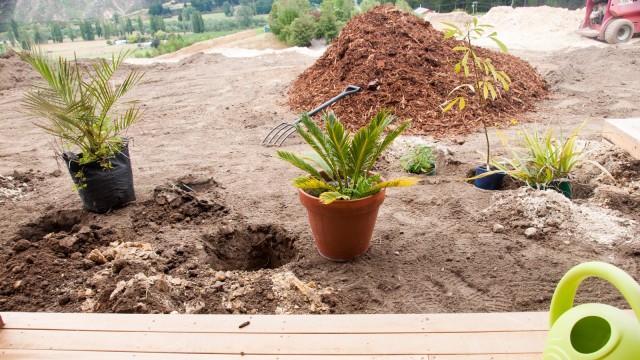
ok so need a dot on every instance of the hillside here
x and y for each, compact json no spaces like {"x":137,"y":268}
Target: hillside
{"x":43,"y":10}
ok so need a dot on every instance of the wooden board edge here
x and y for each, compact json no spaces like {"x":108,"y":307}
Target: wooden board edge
{"x":618,"y":134}
{"x":1,"y":322}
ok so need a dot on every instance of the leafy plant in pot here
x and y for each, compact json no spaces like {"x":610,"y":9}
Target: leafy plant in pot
{"x":543,"y":160}
{"x":341,"y":194}
{"x":484,"y":88}
{"x":419,"y":159}
{"x":77,"y":105}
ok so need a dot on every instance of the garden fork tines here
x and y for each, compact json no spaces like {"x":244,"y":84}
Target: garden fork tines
{"x":280,"y":133}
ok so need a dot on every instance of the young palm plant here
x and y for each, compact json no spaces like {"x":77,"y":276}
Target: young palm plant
{"x":77,"y":106}
{"x":344,"y":161}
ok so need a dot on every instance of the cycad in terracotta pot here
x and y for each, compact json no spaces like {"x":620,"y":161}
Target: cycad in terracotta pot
{"x":341,"y":194}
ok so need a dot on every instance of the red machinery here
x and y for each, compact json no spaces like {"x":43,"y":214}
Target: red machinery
{"x":614,"y":21}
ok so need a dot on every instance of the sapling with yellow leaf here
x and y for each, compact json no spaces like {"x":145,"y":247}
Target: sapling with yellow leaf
{"x":485,"y":81}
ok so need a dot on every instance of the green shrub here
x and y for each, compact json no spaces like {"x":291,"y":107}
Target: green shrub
{"x":419,"y":159}
{"x":301,"y":31}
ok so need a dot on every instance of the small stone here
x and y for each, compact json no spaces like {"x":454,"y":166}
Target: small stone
{"x":531,"y":232}
{"x":68,"y":242}
{"x":87,"y":264}
{"x":96,"y":256}
{"x":218,"y":285}
{"x":17,"y":284}
{"x":76,"y":256}
{"x":567,"y":242}
{"x":162,"y":285}
{"x":21,"y":245}
{"x":396,"y":252}
{"x":64,"y":300}
{"x":161,"y":200}
{"x":220,"y":276}
{"x":498,"y":229}
{"x":176,"y":217}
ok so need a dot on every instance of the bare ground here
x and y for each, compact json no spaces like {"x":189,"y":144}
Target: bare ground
{"x":241,"y":243}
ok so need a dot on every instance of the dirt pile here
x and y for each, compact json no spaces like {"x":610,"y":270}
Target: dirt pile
{"x":401,"y":62}
{"x":15,"y":73}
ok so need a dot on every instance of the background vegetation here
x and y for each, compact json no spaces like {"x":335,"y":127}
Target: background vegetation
{"x":158,"y":24}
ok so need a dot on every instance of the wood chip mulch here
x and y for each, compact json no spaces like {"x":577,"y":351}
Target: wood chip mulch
{"x":403,"y":63}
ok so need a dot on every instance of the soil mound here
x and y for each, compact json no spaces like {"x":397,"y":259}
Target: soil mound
{"x":403,"y":63}
{"x":15,"y":73}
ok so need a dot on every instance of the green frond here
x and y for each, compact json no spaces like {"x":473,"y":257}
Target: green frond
{"x":298,"y":162}
{"x":75,"y":104}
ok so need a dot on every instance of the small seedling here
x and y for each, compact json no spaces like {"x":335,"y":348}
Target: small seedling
{"x":419,"y":159}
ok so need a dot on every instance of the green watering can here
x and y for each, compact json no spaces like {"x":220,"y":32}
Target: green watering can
{"x":593,"y":331}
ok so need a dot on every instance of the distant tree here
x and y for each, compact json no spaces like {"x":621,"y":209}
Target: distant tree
{"x":128,"y":26}
{"x":244,"y":15}
{"x":157,"y":23}
{"x":404,"y":6}
{"x":365,"y":5}
{"x":343,"y":9}
{"x":98,"y":27}
{"x":328,"y":23}
{"x":87,"y":30}
{"x":155,"y":9}
{"x":301,"y":31}
{"x":228,"y":10}
{"x":25,"y":40}
{"x":38,"y":37}
{"x":116,"y":18}
{"x":140,"y":25}
{"x":106,"y":29}
{"x":70,"y":33}
{"x":15,"y":29}
{"x":283,"y":13}
{"x":263,"y":6}
{"x":56,"y":32}
{"x":186,"y":13}
{"x":202,"y":5}
{"x":197,"y":23}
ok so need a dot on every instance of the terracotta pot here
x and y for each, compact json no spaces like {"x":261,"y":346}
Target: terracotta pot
{"x":343,"y":229}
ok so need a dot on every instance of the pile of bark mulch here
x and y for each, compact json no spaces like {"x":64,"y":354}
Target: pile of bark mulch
{"x":403,"y":63}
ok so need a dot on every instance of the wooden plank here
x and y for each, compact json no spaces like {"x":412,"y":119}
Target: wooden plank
{"x":309,"y":324}
{"x":625,"y":133}
{"x":91,"y":355}
{"x":536,"y":356}
{"x":278,"y":344}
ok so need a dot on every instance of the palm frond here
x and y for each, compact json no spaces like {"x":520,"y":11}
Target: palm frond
{"x":397,"y":182}
{"x":310,"y":182}
{"x":331,"y":196}
{"x":298,"y":162}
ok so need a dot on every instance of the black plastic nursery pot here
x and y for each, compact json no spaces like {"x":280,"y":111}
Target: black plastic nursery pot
{"x":103,"y":189}
{"x":489,"y":182}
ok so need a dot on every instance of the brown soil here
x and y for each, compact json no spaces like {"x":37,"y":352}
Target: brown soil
{"x":240,"y":242}
{"x":403,"y":63}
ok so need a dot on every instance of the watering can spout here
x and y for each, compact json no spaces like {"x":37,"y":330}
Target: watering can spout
{"x":593,"y":331}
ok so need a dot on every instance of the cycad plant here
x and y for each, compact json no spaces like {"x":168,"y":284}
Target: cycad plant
{"x":344,"y":161}
{"x":77,"y":104}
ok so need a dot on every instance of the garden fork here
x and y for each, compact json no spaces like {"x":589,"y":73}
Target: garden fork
{"x":281,"y":132}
